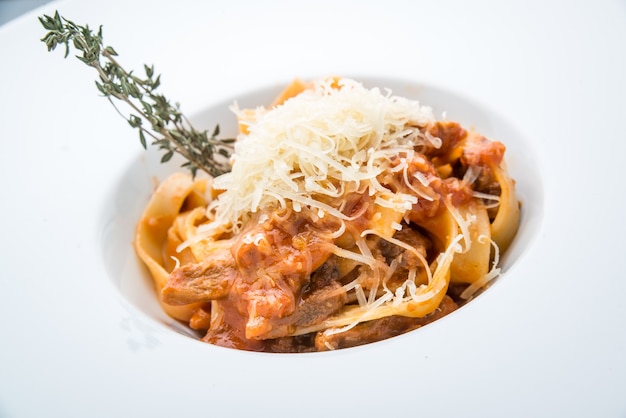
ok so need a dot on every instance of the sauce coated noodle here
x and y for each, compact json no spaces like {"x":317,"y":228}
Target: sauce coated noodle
{"x":366,"y":230}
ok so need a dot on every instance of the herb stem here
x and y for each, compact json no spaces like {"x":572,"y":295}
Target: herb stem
{"x":169,"y":129}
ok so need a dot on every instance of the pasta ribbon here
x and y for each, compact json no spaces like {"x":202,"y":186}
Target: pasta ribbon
{"x":154,"y":241}
{"x":472,"y":264}
{"x":505,"y":225}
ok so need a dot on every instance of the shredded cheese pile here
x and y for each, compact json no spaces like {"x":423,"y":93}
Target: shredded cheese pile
{"x":318,"y":146}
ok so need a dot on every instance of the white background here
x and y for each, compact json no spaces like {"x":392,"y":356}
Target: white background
{"x":547,"y":341}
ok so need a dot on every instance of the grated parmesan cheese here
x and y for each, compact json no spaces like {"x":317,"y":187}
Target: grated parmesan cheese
{"x":323,"y":143}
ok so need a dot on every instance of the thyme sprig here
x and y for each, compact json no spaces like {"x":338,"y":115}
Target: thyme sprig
{"x":170,"y":130}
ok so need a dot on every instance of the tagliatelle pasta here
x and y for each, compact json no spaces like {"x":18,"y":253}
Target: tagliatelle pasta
{"x":349,"y":216}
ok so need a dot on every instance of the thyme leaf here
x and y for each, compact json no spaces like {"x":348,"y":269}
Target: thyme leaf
{"x":151,"y":113}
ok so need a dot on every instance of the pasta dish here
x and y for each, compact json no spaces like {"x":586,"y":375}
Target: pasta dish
{"x":350,"y":216}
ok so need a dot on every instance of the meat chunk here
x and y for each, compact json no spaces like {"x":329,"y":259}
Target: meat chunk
{"x":297,"y":344}
{"x":451,"y":134}
{"x":429,"y":196}
{"x":380,"y":329}
{"x":208,"y":280}
{"x":405,"y":260}
{"x":314,"y":307}
{"x":480,"y":151}
{"x":275,"y":257}
{"x":409,"y":236}
{"x":319,"y":306}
